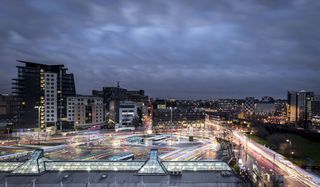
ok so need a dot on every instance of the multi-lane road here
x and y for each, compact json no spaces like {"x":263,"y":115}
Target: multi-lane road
{"x":91,"y":145}
{"x":271,"y":160}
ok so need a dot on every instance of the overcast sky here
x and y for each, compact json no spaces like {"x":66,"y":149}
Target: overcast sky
{"x":170,"y":48}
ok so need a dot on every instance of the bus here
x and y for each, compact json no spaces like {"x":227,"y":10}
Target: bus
{"x":123,"y":156}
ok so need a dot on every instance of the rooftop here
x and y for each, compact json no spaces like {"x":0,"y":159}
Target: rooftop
{"x":43,"y":172}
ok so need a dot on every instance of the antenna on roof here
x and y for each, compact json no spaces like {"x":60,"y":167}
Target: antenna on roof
{"x":118,"y":84}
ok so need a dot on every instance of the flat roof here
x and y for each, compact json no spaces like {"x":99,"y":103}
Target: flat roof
{"x":122,"y":178}
{"x":39,"y":171}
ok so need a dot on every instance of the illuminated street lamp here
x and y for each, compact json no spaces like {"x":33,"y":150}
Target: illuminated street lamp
{"x":291,"y":152}
{"x":88,"y":179}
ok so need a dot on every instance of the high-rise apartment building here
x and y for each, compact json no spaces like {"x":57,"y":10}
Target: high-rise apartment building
{"x":41,"y":91}
{"x":299,"y":106}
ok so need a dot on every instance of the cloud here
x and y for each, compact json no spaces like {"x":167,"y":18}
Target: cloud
{"x":182,"y":49}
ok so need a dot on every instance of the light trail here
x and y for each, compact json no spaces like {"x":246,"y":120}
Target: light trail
{"x":301,"y":175}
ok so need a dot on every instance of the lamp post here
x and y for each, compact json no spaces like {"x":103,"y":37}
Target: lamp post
{"x":171,"y":124}
{"x":246,"y":149}
{"x":8,"y":132}
{"x":39,"y":119}
{"x":88,"y":176}
{"x":291,"y":153}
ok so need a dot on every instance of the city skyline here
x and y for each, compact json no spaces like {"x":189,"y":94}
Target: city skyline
{"x":160,"y":93}
{"x":170,"y":49}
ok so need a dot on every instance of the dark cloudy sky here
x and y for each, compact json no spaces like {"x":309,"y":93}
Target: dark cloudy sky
{"x":170,"y":48}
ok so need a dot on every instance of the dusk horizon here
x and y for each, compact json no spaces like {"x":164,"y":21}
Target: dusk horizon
{"x":174,"y":49}
{"x":160,"y":93}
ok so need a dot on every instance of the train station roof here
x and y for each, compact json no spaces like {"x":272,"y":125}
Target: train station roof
{"x":37,"y":164}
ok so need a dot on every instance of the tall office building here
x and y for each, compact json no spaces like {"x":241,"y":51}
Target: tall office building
{"x":137,"y":96}
{"x":315,"y":105}
{"x":41,"y":92}
{"x":111,"y":98}
{"x":299,"y":106}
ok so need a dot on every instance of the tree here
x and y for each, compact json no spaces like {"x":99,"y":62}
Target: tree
{"x":277,"y":141}
{"x":29,"y":138}
{"x":136,"y":121}
{"x":111,"y":124}
{"x":260,"y":131}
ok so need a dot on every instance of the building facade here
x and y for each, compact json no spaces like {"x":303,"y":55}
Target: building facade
{"x":113,"y":96}
{"x":178,"y":116}
{"x":265,"y":107}
{"x":7,"y":104}
{"x":299,"y":106}
{"x":85,"y":111}
{"x":137,"y":96}
{"x":127,"y":113}
{"x":315,"y":105}
{"x":249,"y":105}
{"x":41,"y":91}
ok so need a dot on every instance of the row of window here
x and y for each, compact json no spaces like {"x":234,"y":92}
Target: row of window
{"x":80,"y":114}
{"x":79,"y":107}
{"x":48,"y":91}
{"x":50,"y":111}
{"x":97,"y":121}
{"x":50,"y":119}
{"x":127,"y":110}
{"x":49,"y":88}
{"x":49,"y":75}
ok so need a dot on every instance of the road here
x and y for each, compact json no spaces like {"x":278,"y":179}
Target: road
{"x":91,"y":145}
{"x":266,"y":158}
{"x":271,"y":158}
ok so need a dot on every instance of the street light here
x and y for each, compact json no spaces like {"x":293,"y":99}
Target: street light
{"x":291,"y":152}
{"x":39,"y":119}
{"x":171,"y":121}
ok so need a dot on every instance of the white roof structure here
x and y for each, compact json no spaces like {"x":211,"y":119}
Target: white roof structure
{"x":37,"y":164}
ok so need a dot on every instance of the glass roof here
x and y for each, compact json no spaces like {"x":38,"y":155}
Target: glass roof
{"x":196,"y":166}
{"x":93,"y":165}
{"x":34,"y":165}
{"x":153,"y":166}
{"x":9,"y":166}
